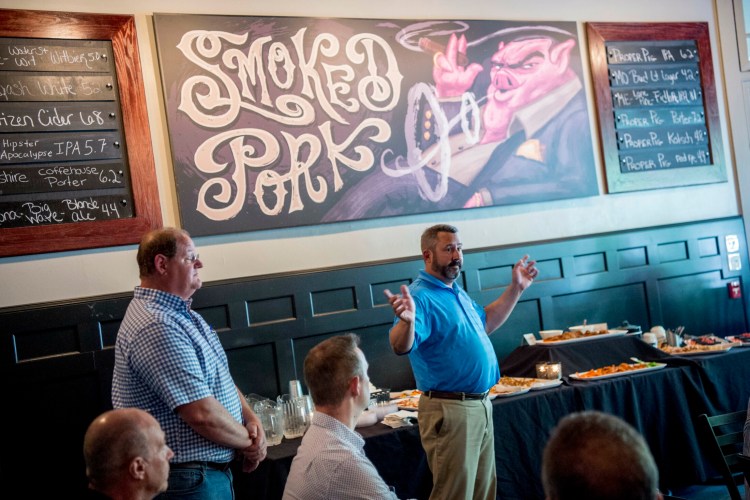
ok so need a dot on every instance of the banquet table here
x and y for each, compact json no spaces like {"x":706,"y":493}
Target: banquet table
{"x":661,"y":404}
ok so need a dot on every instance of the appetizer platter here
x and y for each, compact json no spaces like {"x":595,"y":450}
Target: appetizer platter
{"x":709,"y":340}
{"x":617,"y":370}
{"x":504,"y":391}
{"x":406,"y":400}
{"x":582,"y":336}
{"x":408,"y":403}
{"x":534,"y":384}
{"x":412,"y":393}
{"x":743,"y":339}
{"x":694,"y":350}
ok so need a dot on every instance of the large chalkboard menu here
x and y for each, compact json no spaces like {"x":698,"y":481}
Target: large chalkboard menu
{"x":657,"y":104}
{"x":76,"y":167}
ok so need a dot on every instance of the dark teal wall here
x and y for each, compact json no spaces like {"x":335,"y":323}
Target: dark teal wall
{"x":56,"y":359}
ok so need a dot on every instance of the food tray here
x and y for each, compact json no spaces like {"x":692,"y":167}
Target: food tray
{"x":534,"y":384}
{"x":651,"y":367}
{"x":742,"y":340}
{"x":610,"y":334}
{"x":506,"y":391}
{"x":697,"y":350}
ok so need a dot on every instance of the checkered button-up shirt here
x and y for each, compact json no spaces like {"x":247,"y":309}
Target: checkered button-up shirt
{"x":166,"y":356}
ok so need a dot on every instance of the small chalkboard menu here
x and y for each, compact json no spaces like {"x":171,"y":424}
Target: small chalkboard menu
{"x":76,"y":167}
{"x":657,"y":104}
{"x":62,"y":153}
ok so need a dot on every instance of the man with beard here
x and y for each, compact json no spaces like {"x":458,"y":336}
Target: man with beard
{"x":445,"y":334}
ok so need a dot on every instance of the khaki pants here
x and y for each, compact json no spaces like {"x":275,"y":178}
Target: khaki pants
{"x":459,"y":441}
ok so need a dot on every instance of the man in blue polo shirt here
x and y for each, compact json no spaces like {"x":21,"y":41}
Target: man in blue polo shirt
{"x":445,"y":334}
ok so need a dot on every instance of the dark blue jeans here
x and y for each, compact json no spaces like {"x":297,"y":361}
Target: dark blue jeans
{"x":202,"y":483}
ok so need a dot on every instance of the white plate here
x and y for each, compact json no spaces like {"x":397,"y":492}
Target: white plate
{"x":612,"y":333}
{"x":738,"y":342}
{"x":508,"y":391}
{"x":658,"y":366}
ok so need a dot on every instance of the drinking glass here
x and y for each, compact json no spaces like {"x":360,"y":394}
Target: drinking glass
{"x":295,"y":388}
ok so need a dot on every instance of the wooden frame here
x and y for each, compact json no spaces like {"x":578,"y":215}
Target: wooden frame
{"x":598,"y":35}
{"x":120,"y":30}
{"x":742,"y":34}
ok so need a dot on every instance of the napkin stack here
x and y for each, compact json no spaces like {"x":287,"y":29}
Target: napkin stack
{"x":401,"y":418}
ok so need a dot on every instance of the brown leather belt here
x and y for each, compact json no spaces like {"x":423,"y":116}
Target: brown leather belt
{"x":222,"y":466}
{"x":461,"y":396}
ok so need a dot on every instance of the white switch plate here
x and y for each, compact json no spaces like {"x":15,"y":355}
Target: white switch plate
{"x":735,"y":263}
{"x":732,"y":242}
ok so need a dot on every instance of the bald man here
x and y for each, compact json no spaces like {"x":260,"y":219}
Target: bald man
{"x":126,"y":455}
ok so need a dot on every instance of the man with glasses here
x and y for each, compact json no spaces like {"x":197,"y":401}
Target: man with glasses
{"x":169,"y":362}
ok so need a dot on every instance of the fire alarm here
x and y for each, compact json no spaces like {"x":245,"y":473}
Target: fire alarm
{"x":734,"y":289}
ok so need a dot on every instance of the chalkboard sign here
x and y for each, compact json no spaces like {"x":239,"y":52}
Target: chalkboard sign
{"x":76,"y":166}
{"x":657,"y":104}
{"x":59,"y":122}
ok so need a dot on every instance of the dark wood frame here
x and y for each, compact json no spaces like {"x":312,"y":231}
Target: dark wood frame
{"x":120,"y":30}
{"x":598,"y":34}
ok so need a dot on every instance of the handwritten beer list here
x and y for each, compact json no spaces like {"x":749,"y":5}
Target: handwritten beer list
{"x":658,"y":105}
{"x":62,"y":155}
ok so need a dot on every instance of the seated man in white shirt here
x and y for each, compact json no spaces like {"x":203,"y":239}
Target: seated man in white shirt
{"x":331,"y":462}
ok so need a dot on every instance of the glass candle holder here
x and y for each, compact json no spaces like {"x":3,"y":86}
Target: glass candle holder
{"x":554,"y":370}
{"x":550,"y":370}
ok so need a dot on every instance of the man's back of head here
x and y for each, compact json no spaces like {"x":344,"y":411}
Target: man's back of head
{"x":592,"y":455}
{"x":329,"y":368}
{"x":126,"y":455}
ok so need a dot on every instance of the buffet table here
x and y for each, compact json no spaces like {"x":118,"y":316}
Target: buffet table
{"x":661,"y":404}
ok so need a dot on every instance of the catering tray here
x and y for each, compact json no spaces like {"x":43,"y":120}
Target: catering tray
{"x":609,"y":334}
{"x":408,"y":403}
{"x":406,"y":400}
{"x":411,"y":393}
{"x":534,"y":384}
{"x":741,"y":340}
{"x":697,"y":350}
{"x":651,"y":367}
{"x":506,"y":391}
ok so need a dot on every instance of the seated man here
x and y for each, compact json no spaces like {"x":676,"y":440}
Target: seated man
{"x":330,"y":462}
{"x":126,"y":455}
{"x":592,"y":455}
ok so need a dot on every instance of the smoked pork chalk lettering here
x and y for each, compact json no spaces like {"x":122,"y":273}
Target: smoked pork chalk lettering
{"x":255,"y":69}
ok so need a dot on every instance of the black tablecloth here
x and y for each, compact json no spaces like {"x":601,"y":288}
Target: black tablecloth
{"x":579,"y":356}
{"x":661,"y":404}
